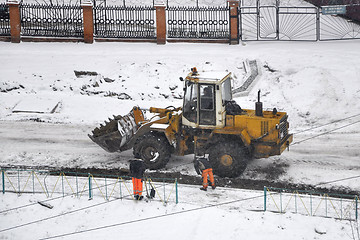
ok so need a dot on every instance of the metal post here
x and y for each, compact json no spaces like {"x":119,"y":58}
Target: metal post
{"x":326,"y":206}
{"x":77,"y":186}
{"x":32,"y":172}
{"x":318,"y":24}
{"x":3,"y":181}
{"x":120,"y":189}
{"x":341,"y":210}
{"x":62,"y":183}
{"x":277,"y":20}
{"x":310,"y":204}
{"x":356,"y":207}
{"x":106,"y":189}
{"x":280,"y":202}
{"x":19,"y":180}
{"x":164,"y":190}
{"x":176,"y":189}
{"x":265,"y":197}
{"x":90,"y":194}
{"x":295,"y":204}
{"x":257,"y":19}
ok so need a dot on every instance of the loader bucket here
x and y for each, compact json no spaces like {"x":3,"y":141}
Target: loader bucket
{"x":118,"y":131}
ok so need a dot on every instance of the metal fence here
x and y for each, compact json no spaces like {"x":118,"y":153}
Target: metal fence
{"x":275,"y":22}
{"x":260,"y":22}
{"x":83,"y":185}
{"x":125,"y":22}
{"x":4,"y":20}
{"x":51,"y":20}
{"x":311,"y":203}
{"x":335,"y":28}
{"x":198,"y":22}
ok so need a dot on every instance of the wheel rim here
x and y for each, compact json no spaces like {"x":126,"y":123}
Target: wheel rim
{"x":226,"y":160}
{"x":150,"y":154}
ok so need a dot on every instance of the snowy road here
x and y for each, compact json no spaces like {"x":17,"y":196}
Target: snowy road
{"x":315,"y":161}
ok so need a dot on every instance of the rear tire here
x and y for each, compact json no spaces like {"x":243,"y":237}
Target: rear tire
{"x":154,"y":149}
{"x":228,"y":159}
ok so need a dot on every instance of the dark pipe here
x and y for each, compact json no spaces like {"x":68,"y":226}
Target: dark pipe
{"x":258,"y":107}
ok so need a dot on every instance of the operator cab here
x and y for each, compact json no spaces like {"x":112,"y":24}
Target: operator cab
{"x":205,"y":96}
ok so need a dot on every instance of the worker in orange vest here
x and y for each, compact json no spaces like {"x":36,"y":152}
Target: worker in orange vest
{"x":203,"y":166}
{"x":137,"y":169}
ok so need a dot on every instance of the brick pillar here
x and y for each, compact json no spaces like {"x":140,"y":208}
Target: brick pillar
{"x":160,"y":23}
{"x":88,"y":22}
{"x":234,"y":21}
{"x":15,"y":24}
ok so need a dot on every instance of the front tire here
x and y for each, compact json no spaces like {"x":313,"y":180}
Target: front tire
{"x":154,"y":149}
{"x":228,"y":159}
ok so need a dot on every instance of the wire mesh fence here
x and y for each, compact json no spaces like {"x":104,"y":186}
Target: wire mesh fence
{"x":311,"y":203}
{"x":84,"y":185}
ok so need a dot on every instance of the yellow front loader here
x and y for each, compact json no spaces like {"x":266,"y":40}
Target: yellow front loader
{"x":209,"y":123}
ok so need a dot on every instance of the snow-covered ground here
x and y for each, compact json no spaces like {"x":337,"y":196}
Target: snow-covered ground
{"x":316,"y":83}
{"x":193,"y":218}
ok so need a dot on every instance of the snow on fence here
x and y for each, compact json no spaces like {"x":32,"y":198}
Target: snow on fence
{"x":62,"y":184}
{"x":339,"y":206}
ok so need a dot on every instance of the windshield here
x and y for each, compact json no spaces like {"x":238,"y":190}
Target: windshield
{"x":190,"y":102}
{"x":226,"y":91}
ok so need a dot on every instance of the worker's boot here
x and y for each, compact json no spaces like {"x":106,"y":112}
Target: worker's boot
{"x":204,"y":189}
{"x":213,"y":187}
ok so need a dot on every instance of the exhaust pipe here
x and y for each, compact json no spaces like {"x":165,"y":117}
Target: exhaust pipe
{"x":258,"y":107}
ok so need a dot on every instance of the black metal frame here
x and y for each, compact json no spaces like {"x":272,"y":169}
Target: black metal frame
{"x":124,"y":22}
{"x":4,"y":20}
{"x":275,"y":22}
{"x":51,"y":20}
{"x":260,"y":22}
{"x":198,"y":22}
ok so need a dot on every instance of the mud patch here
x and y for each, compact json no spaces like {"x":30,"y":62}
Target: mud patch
{"x":271,"y":172}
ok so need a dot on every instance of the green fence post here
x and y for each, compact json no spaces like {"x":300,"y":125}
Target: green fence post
{"x":326,"y":210}
{"x":90,"y":194}
{"x":164,"y":191}
{"x":3,"y":181}
{"x":120,"y":189}
{"x":19,"y":181}
{"x":310,"y":204}
{"x":356,"y":207}
{"x":33,"y":180}
{"x":280,"y":201}
{"x":176,"y":190}
{"x":62,"y":183}
{"x":106,"y":196}
{"x":77,"y":186}
{"x":264,"y":198}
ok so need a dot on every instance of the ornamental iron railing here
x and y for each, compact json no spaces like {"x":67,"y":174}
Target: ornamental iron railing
{"x":198,"y":22}
{"x":51,"y":20}
{"x":4,"y":20}
{"x":124,"y":22}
